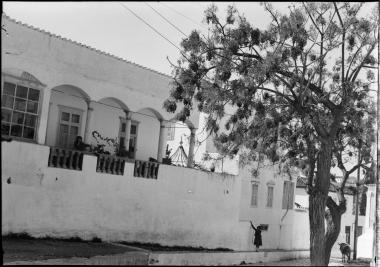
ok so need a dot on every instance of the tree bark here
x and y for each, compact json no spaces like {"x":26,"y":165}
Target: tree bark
{"x":317,"y":205}
{"x":333,"y":218}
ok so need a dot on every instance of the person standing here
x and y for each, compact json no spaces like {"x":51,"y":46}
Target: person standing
{"x":258,"y":240}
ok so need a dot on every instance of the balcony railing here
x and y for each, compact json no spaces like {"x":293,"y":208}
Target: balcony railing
{"x":146,"y":169}
{"x":110,"y":164}
{"x":65,"y":158}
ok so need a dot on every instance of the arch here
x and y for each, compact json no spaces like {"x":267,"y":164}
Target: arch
{"x":155,"y":112}
{"x":22,"y":75}
{"x":117,"y":101}
{"x":77,"y":92}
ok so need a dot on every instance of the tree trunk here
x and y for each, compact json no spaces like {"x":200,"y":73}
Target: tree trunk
{"x":333,"y":218}
{"x":317,"y":205}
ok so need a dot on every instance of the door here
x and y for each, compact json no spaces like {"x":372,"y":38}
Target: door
{"x":69,"y":126}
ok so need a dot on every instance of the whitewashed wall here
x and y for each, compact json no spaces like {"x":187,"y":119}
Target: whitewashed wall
{"x":55,"y":61}
{"x":348,"y":219}
{"x":280,"y":221}
{"x":182,"y":207}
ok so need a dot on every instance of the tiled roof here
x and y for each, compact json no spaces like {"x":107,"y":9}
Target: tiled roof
{"x":80,"y":44}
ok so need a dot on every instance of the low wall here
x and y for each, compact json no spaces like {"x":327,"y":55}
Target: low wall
{"x":183,"y":206}
{"x":224,"y":258}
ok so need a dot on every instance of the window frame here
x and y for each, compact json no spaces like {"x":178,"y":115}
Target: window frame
{"x":20,"y":81}
{"x":62,"y":108}
{"x":270,"y":186}
{"x":254,"y":184}
{"x":288,"y":195}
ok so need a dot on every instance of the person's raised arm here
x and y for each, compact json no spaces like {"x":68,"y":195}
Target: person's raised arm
{"x":252,"y":225}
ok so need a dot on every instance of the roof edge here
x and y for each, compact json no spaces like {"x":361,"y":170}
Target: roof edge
{"x":81,"y":44}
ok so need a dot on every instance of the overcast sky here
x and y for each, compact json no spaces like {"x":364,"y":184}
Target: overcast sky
{"x":110,"y":27}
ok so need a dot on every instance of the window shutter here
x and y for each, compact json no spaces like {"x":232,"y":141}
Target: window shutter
{"x":285,"y":195}
{"x":291,"y":195}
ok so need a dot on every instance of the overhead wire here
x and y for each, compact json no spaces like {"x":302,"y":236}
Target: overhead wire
{"x":166,"y":19}
{"x":183,"y":15}
{"x":150,"y":26}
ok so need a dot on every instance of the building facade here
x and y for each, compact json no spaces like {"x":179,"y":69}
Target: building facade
{"x":54,"y":90}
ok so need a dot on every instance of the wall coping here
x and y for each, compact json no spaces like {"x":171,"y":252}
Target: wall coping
{"x":82,"y":45}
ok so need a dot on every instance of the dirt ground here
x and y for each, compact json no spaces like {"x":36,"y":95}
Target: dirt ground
{"x":40,"y":249}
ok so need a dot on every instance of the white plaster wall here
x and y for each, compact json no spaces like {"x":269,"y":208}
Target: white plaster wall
{"x":280,"y":231}
{"x":148,"y":133}
{"x":182,"y":207}
{"x":105,"y":120}
{"x":55,"y":61}
{"x":348,"y":219}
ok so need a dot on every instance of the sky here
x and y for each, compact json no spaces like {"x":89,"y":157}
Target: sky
{"x":110,"y":27}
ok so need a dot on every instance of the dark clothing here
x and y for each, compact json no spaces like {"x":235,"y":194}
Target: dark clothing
{"x":258,"y":241}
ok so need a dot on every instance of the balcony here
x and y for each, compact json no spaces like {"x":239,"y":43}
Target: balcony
{"x":73,"y":160}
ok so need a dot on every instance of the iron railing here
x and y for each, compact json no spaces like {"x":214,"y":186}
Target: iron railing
{"x":110,"y":164}
{"x":146,"y":169}
{"x":65,"y":158}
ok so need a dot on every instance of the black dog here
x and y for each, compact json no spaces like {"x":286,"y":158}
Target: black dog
{"x":345,"y":250}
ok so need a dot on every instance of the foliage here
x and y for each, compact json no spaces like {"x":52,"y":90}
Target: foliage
{"x":297,"y":87}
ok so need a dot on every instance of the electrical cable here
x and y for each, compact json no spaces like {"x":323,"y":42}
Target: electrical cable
{"x":150,"y":26}
{"x":166,"y":19}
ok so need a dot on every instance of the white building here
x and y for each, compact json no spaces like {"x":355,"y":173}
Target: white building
{"x":366,"y":242}
{"x":53,"y":90}
{"x":348,"y":218}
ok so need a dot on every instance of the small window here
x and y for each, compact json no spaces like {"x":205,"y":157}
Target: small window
{"x":133,"y":129}
{"x":171,"y":132}
{"x":270,"y":197}
{"x":255,"y":189}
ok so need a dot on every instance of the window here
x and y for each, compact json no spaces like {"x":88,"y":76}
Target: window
{"x":363,"y":204}
{"x":264,"y":227}
{"x":171,"y":131}
{"x":288,"y":195}
{"x":69,"y":126}
{"x":19,"y":111}
{"x":255,"y":188}
{"x":347,"y":232}
{"x":270,"y":197}
{"x":133,"y":135}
